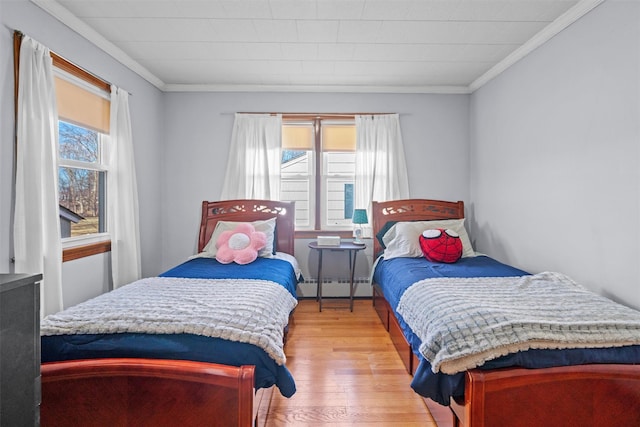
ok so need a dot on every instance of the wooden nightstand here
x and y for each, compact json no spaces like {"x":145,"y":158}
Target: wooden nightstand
{"x":352,"y":249}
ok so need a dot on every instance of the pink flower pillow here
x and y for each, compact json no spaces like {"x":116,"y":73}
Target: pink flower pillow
{"x":240,"y":245}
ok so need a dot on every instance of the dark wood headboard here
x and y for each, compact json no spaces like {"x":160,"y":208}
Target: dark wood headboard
{"x":412,"y":210}
{"x":246,"y":211}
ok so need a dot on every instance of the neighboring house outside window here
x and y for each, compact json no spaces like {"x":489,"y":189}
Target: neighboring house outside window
{"x":318,"y":172}
{"x":67,"y":217}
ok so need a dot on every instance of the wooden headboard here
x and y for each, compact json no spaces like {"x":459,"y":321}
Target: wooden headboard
{"x":412,"y":210}
{"x":250,"y":210}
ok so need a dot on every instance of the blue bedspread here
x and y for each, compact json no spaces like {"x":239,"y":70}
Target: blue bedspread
{"x":394,"y":276}
{"x":187,"y":346}
{"x":275,"y":270}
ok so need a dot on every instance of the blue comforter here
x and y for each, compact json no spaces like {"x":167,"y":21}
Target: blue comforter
{"x":394,"y":276}
{"x":275,"y":270}
{"x":187,"y":346}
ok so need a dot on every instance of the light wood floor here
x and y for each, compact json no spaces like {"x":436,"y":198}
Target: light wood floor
{"x":347,"y":372}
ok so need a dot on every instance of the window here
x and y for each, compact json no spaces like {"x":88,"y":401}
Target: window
{"x":83,"y":111}
{"x":318,"y":171}
{"x":81,"y":181}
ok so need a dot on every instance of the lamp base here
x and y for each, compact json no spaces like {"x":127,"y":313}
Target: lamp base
{"x":358,"y":236}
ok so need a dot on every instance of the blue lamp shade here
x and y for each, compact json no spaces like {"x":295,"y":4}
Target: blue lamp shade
{"x":360,"y":216}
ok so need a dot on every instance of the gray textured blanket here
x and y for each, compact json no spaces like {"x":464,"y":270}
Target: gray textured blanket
{"x":248,"y":311}
{"x":463,"y":322}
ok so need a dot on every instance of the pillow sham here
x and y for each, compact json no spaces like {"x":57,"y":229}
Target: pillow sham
{"x":268,"y":227}
{"x":403,"y":239}
{"x":380,"y":234}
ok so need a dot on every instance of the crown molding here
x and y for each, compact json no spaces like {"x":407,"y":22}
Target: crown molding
{"x":562,"y":22}
{"x":317,"y":88}
{"x":63,"y":15}
{"x":59,"y":12}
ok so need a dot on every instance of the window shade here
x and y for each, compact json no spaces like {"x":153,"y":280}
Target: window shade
{"x":297,"y":137}
{"x":81,"y":107}
{"x":338,"y":138}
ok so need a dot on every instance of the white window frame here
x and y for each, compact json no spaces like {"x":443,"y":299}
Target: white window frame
{"x":327,"y":180}
{"x":98,"y":166}
{"x":319,"y":179}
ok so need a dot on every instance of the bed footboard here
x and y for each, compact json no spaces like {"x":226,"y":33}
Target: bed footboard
{"x":145,"y":392}
{"x":585,"y":395}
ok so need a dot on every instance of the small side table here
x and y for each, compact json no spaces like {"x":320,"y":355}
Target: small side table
{"x":352,"y":249}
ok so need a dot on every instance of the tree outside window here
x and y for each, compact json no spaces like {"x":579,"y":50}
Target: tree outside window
{"x":82,"y":178}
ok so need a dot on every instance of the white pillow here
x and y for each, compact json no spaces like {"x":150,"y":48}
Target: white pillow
{"x":402,"y":240}
{"x":268,"y":227}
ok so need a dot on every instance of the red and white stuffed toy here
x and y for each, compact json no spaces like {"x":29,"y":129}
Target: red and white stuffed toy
{"x":441,"y":245}
{"x":240,"y":245}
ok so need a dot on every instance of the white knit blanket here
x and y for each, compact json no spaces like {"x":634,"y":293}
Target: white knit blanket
{"x":247,"y":311}
{"x":464,"y":322}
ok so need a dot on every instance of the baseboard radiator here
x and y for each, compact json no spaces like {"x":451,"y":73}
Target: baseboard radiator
{"x":314,"y":280}
{"x":334,"y":287}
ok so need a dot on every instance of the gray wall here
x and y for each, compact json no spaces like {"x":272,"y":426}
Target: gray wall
{"x":87,"y":277}
{"x":555,"y":160}
{"x":545,"y":156}
{"x":198,"y":130}
{"x":181,"y":145}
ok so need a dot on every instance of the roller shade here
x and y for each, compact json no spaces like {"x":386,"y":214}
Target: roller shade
{"x":81,"y":107}
{"x":297,"y":137}
{"x":338,"y":138}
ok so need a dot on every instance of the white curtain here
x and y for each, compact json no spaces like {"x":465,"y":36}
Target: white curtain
{"x":122,"y":194}
{"x":36,"y":229}
{"x":253,"y":166}
{"x":381,"y":171}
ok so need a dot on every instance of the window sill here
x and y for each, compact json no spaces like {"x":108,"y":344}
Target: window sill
{"x":77,"y":252}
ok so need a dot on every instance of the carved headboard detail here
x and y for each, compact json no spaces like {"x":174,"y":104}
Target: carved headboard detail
{"x":412,"y":210}
{"x":247,"y":210}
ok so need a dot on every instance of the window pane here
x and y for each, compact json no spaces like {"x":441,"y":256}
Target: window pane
{"x":339,"y":201}
{"x":340,"y":164}
{"x":78,"y":143}
{"x":295,"y":183}
{"x":81,"y":198}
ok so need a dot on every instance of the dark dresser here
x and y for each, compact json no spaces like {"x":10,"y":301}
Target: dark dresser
{"x":20,"y":349}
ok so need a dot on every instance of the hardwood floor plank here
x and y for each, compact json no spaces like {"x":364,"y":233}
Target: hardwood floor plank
{"x":347,"y":372}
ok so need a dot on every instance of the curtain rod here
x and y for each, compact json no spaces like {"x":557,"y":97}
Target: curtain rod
{"x":318,"y":114}
{"x":225,"y":113}
{"x":66,"y":63}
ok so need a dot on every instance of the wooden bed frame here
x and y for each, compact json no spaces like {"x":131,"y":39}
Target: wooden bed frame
{"x":246,"y":211}
{"x":155,"y":392}
{"x":584,"y":395}
{"x":145,"y":392}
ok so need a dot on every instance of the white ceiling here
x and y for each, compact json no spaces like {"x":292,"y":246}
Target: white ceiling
{"x":445,"y":46}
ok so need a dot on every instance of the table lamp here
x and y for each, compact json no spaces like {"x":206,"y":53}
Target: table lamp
{"x":359,"y":218}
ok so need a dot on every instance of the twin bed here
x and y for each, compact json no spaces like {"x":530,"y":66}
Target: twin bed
{"x":455,"y":332}
{"x":120,"y":375}
{"x":202,"y":344}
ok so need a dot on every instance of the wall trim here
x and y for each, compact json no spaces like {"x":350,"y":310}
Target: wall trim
{"x":563,"y":21}
{"x":63,"y":15}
